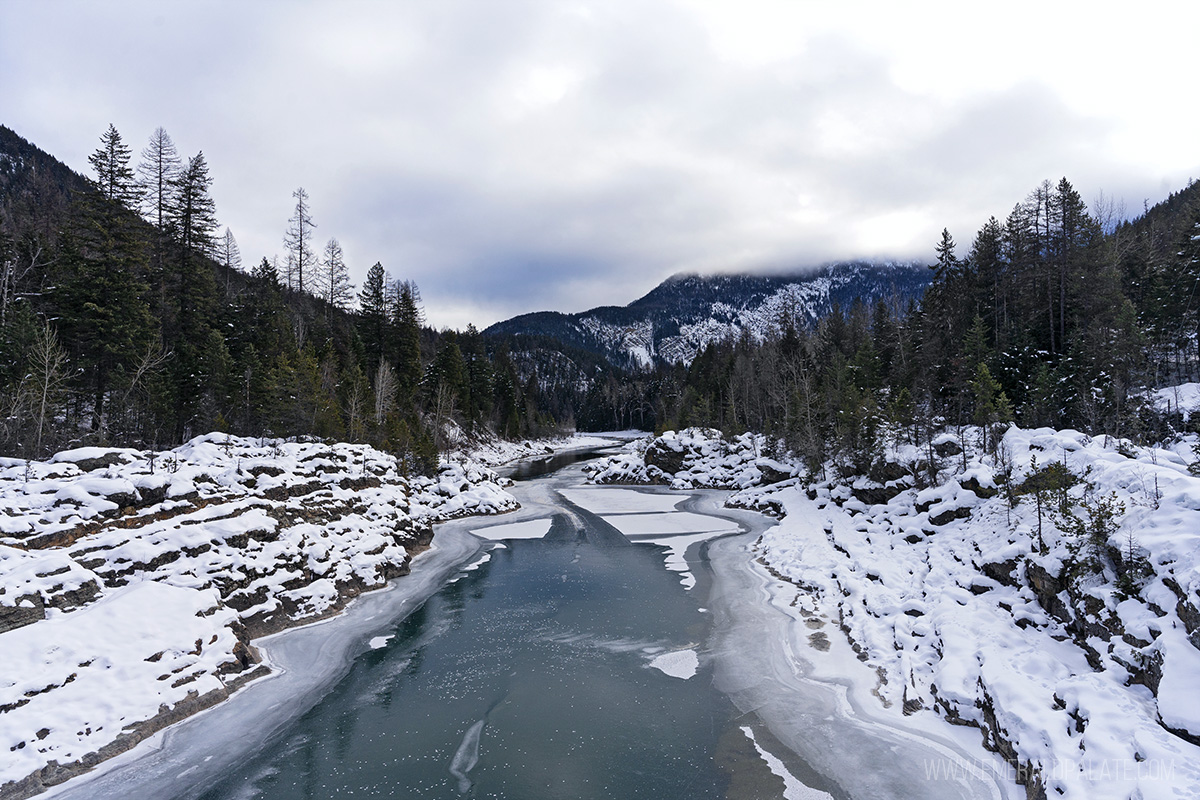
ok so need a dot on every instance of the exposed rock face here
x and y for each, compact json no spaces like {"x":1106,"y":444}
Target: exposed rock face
{"x":1003,"y":572}
{"x":28,"y":609}
{"x":946,"y":446}
{"x":1049,"y":588}
{"x":694,"y":458}
{"x":667,"y":455}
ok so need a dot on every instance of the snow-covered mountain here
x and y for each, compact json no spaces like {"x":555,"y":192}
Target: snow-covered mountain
{"x":682,"y":315}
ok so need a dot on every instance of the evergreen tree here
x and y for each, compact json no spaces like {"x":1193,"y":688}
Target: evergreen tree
{"x":446,"y":383}
{"x":987,"y":261}
{"x":373,"y":314}
{"x":192,"y":216}
{"x":947,"y":262}
{"x":479,"y":377}
{"x":507,"y":396}
{"x":266,"y":273}
{"x":192,"y":213}
{"x":114,"y":177}
{"x":406,"y":324}
{"x":104,"y":320}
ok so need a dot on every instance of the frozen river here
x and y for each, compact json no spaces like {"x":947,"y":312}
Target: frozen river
{"x":599,"y":643}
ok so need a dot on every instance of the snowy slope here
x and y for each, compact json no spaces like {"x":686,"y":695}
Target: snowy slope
{"x":131,"y":582}
{"x":949,"y":594}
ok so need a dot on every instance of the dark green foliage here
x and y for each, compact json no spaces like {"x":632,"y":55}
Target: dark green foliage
{"x":1049,"y":485}
{"x":99,"y":301}
{"x":114,"y":177}
{"x":1047,"y":319}
{"x":405,"y":347}
{"x":373,"y":317}
{"x":152,"y":340}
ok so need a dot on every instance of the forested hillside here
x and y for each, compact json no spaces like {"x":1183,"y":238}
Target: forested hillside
{"x":126,"y":318}
{"x":1049,"y":317}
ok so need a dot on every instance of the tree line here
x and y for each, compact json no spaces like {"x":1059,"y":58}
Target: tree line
{"x":126,"y":318}
{"x":1056,"y":316}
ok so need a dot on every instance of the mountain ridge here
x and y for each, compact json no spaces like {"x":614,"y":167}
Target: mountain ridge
{"x":688,"y":311}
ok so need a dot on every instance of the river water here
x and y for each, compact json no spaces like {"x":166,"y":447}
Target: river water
{"x":567,"y":666}
{"x":568,"y":653}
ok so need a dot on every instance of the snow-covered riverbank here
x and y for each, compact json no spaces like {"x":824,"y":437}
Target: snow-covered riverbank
{"x":132,"y":583}
{"x":1082,"y":679}
{"x":304,"y":662}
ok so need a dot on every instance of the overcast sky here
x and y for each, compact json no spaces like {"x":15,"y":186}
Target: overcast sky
{"x":520,"y":155}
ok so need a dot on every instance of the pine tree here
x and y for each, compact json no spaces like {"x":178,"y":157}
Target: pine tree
{"x":447,"y":380}
{"x":104,"y":320}
{"x":947,"y":262}
{"x":479,"y":376}
{"x":192,"y":216}
{"x":373,"y":313}
{"x":300,"y":259}
{"x":507,"y":397}
{"x":266,"y":273}
{"x":1187,"y":268}
{"x":987,"y":262}
{"x":406,"y":323}
{"x":114,"y":177}
{"x":192,"y":213}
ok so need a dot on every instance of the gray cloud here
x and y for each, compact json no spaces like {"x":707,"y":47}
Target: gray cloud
{"x":523,"y":155}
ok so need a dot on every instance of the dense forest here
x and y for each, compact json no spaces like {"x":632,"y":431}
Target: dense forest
{"x":126,"y":317}
{"x":1056,"y":316}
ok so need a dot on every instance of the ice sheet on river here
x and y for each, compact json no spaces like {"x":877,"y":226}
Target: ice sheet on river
{"x":818,"y":702}
{"x":648,"y":518}
{"x":608,"y":500}
{"x":529,"y":529}
{"x":306,"y":661}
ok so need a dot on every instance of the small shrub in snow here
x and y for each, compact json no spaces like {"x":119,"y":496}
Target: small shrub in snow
{"x":1091,"y":535}
{"x":1048,"y":485}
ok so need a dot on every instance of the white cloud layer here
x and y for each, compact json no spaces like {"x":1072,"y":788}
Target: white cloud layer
{"x":528,"y":154}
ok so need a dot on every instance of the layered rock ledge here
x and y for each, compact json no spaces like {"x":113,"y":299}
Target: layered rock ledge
{"x":132,"y":583}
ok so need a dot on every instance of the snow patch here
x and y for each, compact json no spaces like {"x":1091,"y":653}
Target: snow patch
{"x":682,"y":664}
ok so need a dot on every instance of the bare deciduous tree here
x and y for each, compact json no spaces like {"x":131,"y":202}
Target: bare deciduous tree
{"x":385,"y":391}
{"x":42,"y":388}
{"x":299,"y":233}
